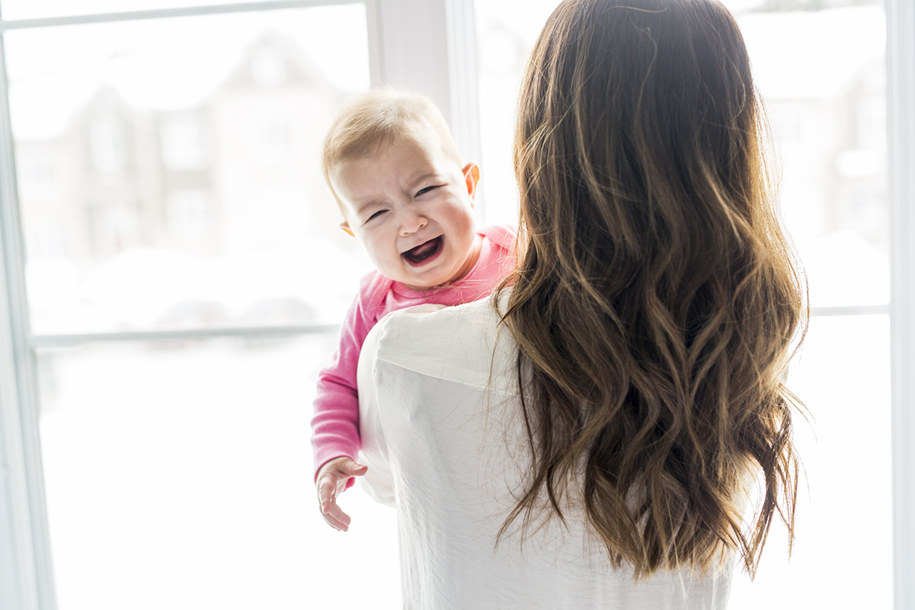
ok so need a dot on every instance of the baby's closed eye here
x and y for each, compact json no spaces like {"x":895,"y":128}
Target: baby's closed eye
{"x":427,"y":189}
{"x":375,"y":215}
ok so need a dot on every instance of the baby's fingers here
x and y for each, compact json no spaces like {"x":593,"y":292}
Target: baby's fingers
{"x":333,"y":478}
{"x":355,"y":470}
{"x":327,"y":492}
{"x":336,"y":518}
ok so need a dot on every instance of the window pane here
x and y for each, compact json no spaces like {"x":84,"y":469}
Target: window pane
{"x":169,"y":172}
{"x":179,"y":476}
{"x":822,"y":73}
{"x":844,"y":505}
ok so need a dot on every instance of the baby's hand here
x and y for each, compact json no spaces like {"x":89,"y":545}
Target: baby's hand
{"x":331,"y":481}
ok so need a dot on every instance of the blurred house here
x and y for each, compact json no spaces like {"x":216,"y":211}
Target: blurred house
{"x":182,"y":177}
{"x":825,"y":91}
{"x":216,"y":158}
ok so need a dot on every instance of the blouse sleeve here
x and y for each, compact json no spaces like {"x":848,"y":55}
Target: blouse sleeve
{"x":385,"y":386}
{"x":374,"y":451}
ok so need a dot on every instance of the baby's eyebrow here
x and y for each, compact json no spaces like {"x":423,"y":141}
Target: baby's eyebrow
{"x":427,"y":175}
{"x":371,"y":203}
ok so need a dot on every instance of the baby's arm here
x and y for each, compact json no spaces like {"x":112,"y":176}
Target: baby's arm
{"x":335,"y":438}
{"x":332,"y":480}
{"x":335,"y":424}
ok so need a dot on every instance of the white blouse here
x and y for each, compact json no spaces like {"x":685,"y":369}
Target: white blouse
{"x":444,"y":442}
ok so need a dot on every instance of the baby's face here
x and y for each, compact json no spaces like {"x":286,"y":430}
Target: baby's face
{"x":411,"y":205}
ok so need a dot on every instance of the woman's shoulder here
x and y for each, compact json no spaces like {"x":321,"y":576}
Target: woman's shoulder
{"x":434,"y":316}
{"x":450,"y":342}
{"x":423,"y":327}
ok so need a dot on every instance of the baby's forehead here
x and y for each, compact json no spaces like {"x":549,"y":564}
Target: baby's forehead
{"x":430,"y":147}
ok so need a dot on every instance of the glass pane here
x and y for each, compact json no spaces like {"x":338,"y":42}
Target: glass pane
{"x":169,"y":172}
{"x":37,"y":9}
{"x":822,"y":75}
{"x":506,"y":32}
{"x":179,"y":476}
{"x":845,"y":503}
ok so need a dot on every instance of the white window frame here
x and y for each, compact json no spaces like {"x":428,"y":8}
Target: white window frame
{"x":900,"y":20}
{"x":427,"y":45}
{"x":25,"y":565}
{"x":430,"y":46}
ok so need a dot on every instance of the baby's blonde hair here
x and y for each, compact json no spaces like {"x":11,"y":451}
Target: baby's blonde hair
{"x":374,"y":119}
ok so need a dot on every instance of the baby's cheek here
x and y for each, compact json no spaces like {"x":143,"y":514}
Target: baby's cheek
{"x":375,"y":251}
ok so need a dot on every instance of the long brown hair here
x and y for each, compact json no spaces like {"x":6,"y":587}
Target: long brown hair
{"x":656,"y":305}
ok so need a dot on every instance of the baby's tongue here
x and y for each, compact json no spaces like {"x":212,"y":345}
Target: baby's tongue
{"x":423,"y":251}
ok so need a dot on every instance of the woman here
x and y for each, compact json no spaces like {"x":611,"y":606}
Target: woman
{"x":612,"y":429}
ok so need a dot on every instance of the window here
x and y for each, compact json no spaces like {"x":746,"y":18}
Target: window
{"x":173,"y":277}
{"x":184,"y":141}
{"x":171,"y":232}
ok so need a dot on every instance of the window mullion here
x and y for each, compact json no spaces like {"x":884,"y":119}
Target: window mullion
{"x":428,"y":46}
{"x":27,"y":568}
{"x":900,"y":19}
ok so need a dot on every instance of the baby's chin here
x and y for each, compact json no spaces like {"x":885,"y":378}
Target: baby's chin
{"x":429,"y":281}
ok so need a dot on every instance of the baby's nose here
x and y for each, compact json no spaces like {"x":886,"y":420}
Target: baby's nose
{"x":412,"y":223}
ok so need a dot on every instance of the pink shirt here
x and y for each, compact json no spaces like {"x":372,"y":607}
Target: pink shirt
{"x":335,"y":425}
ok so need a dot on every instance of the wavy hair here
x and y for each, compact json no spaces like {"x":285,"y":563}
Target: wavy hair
{"x":657,"y":302}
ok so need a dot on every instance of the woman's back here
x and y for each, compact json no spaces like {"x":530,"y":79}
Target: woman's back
{"x":445,"y":443}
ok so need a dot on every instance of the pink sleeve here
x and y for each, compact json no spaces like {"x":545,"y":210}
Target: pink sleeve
{"x":335,"y":424}
{"x":501,"y":235}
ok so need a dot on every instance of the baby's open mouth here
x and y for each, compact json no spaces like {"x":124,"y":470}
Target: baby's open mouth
{"x":424,"y":251}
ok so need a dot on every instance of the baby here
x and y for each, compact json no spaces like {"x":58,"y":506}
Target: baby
{"x":404,"y":192}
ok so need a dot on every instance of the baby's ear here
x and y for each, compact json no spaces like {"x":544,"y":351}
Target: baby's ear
{"x":346,"y":228}
{"x":472,"y":178}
